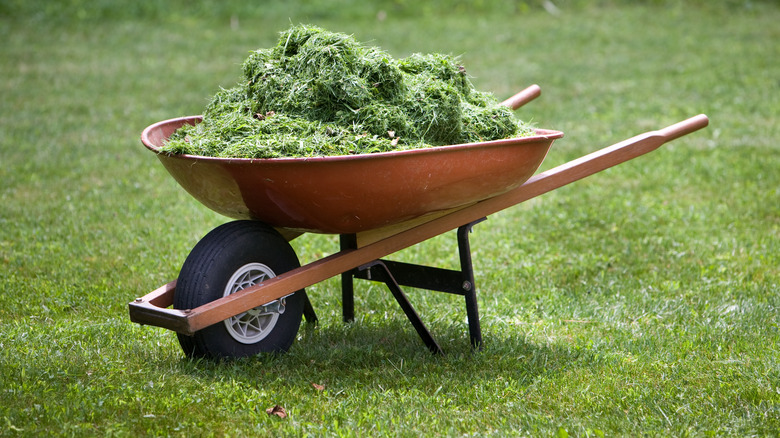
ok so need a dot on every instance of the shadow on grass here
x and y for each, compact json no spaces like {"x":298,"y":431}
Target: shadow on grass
{"x":390,"y":355}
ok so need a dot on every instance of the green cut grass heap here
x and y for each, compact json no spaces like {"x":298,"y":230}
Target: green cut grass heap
{"x":319,"y":93}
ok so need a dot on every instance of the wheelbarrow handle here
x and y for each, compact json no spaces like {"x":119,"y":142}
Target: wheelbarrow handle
{"x":523,"y":97}
{"x":685,"y":127}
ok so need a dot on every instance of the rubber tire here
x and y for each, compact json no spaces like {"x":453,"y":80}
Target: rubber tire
{"x":204,"y":277}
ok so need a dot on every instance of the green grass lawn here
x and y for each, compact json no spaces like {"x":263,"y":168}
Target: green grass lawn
{"x":640,"y":301}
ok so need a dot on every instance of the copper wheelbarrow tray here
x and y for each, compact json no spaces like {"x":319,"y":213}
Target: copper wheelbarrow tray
{"x":352,"y":193}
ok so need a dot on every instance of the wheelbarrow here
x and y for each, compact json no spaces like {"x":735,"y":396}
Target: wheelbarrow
{"x":241,"y":290}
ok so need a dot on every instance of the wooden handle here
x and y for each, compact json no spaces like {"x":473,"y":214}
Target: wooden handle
{"x":523,"y":97}
{"x":685,"y":127}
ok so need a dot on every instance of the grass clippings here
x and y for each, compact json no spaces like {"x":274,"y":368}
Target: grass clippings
{"x":319,"y":93}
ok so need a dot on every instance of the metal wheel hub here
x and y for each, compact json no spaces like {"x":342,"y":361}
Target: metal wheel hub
{"x":255,"y":324}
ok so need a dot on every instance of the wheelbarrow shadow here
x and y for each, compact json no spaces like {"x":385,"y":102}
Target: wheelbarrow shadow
{"x":389,"y":355}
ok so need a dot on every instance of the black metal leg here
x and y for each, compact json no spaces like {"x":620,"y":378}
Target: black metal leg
{"x":469,"y":288}
{"x":347,"y":241}
{"x":396,"y":274}
{"x":406,"y":306}
{"x":472,"y":311}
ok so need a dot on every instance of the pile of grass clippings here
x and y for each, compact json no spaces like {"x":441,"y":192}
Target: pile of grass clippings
{"x":319,"y":93}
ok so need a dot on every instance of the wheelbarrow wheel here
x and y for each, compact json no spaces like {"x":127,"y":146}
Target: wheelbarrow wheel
{"x":228,"y":259}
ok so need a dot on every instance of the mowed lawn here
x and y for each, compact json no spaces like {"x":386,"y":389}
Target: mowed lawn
{"x":640,"y":301}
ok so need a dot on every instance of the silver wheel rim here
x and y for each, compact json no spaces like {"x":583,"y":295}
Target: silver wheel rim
{"x":253,"y":325}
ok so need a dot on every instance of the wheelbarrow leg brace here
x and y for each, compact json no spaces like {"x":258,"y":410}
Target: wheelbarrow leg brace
{"x":469,"y":287}
{"x":346,"y":242}
{"x":382,"y":273}
{"x":396,"y":274}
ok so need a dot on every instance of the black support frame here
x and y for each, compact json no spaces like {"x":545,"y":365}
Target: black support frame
{"x":396,"y":274}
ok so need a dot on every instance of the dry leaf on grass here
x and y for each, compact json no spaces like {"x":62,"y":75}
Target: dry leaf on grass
{"x":277,"y":410}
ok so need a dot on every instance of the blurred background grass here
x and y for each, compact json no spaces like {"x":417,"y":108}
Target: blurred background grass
{"x":69,"y":11}
{"x":641,"y":300}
